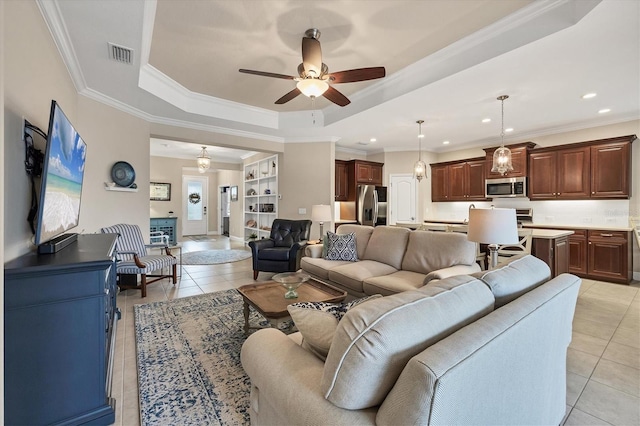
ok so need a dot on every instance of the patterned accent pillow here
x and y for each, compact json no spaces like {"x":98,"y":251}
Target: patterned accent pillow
{"x":317,"y":322}
{"x":341,"y":247}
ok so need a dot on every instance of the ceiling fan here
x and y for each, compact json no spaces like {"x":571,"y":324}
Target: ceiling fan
{"x":314,"y":78}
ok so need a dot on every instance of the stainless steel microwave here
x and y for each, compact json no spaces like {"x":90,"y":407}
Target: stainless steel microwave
{"x":507,"y":187}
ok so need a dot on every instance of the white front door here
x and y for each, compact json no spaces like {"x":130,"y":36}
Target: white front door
{"x":194,"y":205}
{"x":402,"y":199}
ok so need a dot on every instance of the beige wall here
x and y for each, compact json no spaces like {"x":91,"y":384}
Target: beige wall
{"x":236,"y":216}
{"x":2,"y":47}
{"x":306,"y":177}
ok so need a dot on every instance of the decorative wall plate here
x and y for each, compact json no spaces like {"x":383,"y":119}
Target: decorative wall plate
{"x":123,"y":174}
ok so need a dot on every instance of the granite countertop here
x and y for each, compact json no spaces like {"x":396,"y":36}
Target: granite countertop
{"x":345,"y":221}
{"x":549,"y":234}
{"x":585,"y":226}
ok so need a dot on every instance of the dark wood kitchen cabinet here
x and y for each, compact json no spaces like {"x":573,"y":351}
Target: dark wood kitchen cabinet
{"x":459,"y":180}
{"x":554,"y":252}
{"x":609,"y":256}
{"x":368,"y":173}
{"x":342,"y":181}
{"x":578,"y":252}
{"x":350,"y":174}
{"x":560,"y":174}
{"x":585,"y":170}
{"x":610,"y":169}
{"x":519,"y":160}
{"x":439,"y":182}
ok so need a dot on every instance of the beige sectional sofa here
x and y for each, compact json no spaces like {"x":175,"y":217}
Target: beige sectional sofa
{"x":393,"y":259}
{"x":483,"y":349}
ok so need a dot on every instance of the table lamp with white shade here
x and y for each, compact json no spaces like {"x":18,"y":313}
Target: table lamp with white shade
{"x":321,"y":213}
{"x":493,"y":227}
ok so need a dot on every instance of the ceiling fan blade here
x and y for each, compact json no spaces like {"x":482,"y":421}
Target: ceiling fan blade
{"x":267,"y":74}
{"x":360,"y":74}
{"x":286,"y":98}
{"x":336,"y":97}
{"x":311,"y":56}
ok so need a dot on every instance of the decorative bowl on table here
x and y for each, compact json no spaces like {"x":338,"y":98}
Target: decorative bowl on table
{"x":291,"y":281}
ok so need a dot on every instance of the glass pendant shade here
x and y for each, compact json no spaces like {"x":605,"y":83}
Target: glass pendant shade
{"x":502,"y":160}
{"x":312,"y":87}
{"x":419,"y":168}
{"x":203,"y":161}
{"x":502,"y":156}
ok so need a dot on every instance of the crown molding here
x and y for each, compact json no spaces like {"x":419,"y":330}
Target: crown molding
{"x":53,"y":19}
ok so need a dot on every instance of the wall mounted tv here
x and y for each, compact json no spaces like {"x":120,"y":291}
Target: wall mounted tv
{"x":61,"y":189}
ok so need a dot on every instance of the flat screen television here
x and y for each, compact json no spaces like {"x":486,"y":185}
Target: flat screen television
{"x":61,"y":188}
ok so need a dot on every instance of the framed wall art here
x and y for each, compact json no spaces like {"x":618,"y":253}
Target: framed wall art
{"x":160,"y":191}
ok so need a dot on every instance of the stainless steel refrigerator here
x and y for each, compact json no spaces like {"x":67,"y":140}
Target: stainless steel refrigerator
{"x":371,"y":205}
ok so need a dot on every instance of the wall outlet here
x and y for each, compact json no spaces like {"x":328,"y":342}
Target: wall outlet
{"x":610,"y":220}
{"x":302,"y":210}
{"x":587,"y":220}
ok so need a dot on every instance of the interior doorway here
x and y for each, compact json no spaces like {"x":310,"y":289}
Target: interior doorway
{"x":224,"y":201}
{"x":194,"y":205}
{"x":402,"y":199}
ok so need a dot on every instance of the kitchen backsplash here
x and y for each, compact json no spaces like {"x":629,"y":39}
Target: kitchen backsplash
{"x":588,"y":213}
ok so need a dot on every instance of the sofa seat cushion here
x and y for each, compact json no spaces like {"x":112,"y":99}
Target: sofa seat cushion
{"x":320,"y":267}
{"x":387,"y":245}
{"x":274,"y":253}
{"x":429,"y":251}
{"x":352,"y":275}
{"x":517,"y":276}
{"x":375,"y":340}
{"x":393,"y":283}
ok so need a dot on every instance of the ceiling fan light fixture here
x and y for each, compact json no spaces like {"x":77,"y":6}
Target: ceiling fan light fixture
{"x":502,"y":156}
{"x":203,"y":160}
{"x":312,"y":87}
{"x":420,"y":167}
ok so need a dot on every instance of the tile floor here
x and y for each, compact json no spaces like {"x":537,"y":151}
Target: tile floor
{"x":603,"y":360}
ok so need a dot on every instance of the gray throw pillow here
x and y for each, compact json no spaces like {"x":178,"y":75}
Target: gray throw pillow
{"x":341,"y":247}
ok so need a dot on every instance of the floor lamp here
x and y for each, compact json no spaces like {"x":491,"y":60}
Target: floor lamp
{"x":321,"y":213}
{"x":493,"y":226}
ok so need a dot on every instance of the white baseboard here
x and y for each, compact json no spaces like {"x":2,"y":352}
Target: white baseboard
{"x":213,"y":233}
{"x":636,"y":276}
{"x":234,"y":238}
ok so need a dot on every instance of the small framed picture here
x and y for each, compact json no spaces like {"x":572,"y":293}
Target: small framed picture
{"x":160,"y":191}
{"x":234,"y":193}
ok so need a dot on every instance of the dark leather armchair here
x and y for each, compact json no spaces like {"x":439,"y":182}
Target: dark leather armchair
{"x":283,"y":250}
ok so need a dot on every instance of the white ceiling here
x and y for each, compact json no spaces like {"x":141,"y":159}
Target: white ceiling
{"x":446,"y":61}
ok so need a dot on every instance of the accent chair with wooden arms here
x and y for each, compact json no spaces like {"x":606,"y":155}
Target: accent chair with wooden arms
{"x":283,"y":250}
{"x":133,"y":260}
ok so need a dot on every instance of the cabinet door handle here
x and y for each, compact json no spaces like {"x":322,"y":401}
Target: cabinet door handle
{"x":606,"y":235}
{"x":593,"y":192}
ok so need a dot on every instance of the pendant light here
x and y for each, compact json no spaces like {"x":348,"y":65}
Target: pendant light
{"x":502,"y":156}
{"x":420,"y":168}
{"x":203,"y":161}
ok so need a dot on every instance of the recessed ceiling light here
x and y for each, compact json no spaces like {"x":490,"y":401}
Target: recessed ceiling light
{"x":589,"y":95}
{"x":445,"y":142}
{"x":373,"y":140}
{"x":486,"y":120}
{"x":510,"y":129}
{"x":604,"y":111}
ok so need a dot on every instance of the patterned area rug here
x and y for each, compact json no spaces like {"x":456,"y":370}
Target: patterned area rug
{"x":214,"y":257}
{"x":201,"y":238}
{"x":188,"y":357}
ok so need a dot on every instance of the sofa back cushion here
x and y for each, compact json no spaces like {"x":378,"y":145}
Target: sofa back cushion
{"x":515,"y":277}
{"x":363,"y":233}
{"x":387,"y":245}
{"x":429,"y":251}
{"x":375,"y":340}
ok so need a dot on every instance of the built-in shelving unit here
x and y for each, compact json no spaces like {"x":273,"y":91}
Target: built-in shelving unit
{"x":260,"y":197}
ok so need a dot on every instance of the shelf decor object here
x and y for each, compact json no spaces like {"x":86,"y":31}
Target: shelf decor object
{"x":420,"y":167}
{"x":159,"y":191}
{"x":502,"y":156}
{"x":493,"y":227}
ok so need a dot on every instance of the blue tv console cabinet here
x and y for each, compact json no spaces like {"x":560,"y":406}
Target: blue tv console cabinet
{"x":60,"y":320}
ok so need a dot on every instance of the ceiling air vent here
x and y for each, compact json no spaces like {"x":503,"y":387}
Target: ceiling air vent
{"x":120,"y":53}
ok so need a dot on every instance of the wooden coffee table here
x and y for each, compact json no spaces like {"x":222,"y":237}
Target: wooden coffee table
{"x":268,"y":299}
